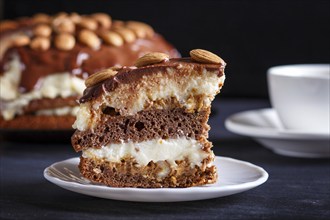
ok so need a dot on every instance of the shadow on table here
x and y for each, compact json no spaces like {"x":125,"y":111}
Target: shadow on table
{"x":53,"y":201}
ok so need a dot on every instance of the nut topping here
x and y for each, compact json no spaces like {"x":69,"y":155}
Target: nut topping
{"x":41,"y":18}
{"x":75,"y":18}
{"x":42,"y":30}
{"x":99,"y":77}
{"x":64,"y":25}
{"x":88,"y":23}
{"x":21,"y":40}
{"x":103,"y":19}
{"x":116,"y":67}
{"x":40,"y":43}
{"x":61,"y":15}
{"x":112,"y":38}
{"x":117,"y":24}
{"x":65,"y":41}
{"x":88,"y":29}
{"x":138,"y":31}
{"x":141,"y":29}
{"x":151,"y":58}
{"x":204,"y":56}
{"x":89,"y":38}
{"x":127,"y":34}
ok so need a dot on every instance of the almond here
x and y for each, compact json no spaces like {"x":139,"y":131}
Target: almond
{"x":64,"y":25}
{"x":116,"y":67}
{"x":99,"y":77}
{"x":88,"y":23}
{"x":89,"y":38}
{"x":138,"y":31}
{"x":41,"y":18}
{"x":117,"y":23}
{"x":8,"y":25}
{"x":151,"y":58}
{"x":65,"y":41}
{"x":74,"y":17}
{"x":141,"y":29}
{"x":204,"y":56}
{"x":127,"y":34}
{"x":61,"y":15}
{"x":112,"y":38}
{"x":103,"y":19}
{"x":40,"y":43}
{"x":42,"y":30}
{"x":21,"y":40}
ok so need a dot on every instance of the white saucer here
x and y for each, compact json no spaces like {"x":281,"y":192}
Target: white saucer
{"x":234,"y":176}
{"x":265,"y":127}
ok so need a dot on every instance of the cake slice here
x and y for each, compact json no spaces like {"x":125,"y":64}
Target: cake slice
{"x":146,"y":126}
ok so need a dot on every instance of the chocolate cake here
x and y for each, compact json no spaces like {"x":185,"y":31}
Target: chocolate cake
{"x":146,"y":125}
{"x":44,"y":61}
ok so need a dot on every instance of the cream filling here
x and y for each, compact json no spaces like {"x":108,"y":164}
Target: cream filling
{"x":59,"y":111}
{"x":149,"y":90}
{"x":157,"y":150}
{"x":83,"y":117}
{"x":55,"y":85}
{"x":158,"y":87}
{"x":10,"y":79}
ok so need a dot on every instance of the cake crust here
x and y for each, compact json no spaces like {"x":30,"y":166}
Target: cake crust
{"x":47,"y":103}
{"x":127,"y":174}
{"x":38,"y":122}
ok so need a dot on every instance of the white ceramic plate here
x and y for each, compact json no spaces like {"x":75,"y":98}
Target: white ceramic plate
{"x":265,"y":127}
{"x":235,"y":176}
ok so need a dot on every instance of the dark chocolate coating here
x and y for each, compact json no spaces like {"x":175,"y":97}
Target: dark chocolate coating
{"x":127,"y":75}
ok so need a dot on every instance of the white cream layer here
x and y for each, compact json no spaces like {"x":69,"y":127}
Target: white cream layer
{"x":59,"y":111}
{"x":163,"y":86}
{"x":156,"y":150}
{"x":55,"y":85}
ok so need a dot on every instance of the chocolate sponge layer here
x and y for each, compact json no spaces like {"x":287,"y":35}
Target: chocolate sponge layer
{"x":143,"y":126}
{"x":127,"y":174}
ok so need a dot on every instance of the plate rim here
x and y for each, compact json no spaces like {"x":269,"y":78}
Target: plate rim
{"x":207,"y":188}
{"x":268,"y":132}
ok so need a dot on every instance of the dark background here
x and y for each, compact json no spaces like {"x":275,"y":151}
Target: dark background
{"x":250,"y":36}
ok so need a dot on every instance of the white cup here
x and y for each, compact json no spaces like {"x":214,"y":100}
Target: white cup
{"x":300,"y":95}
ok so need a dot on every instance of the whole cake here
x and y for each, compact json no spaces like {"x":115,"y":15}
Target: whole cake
{"x":146,"y":125}
{"x":44,"y":61}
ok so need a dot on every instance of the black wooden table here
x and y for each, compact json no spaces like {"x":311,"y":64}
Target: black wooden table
{"x":296,"y":188}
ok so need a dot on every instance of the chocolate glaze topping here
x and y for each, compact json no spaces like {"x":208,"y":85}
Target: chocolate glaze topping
{"x":127,"y":75}
{"x":80,"y":61}
{"x":83,"y":61}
